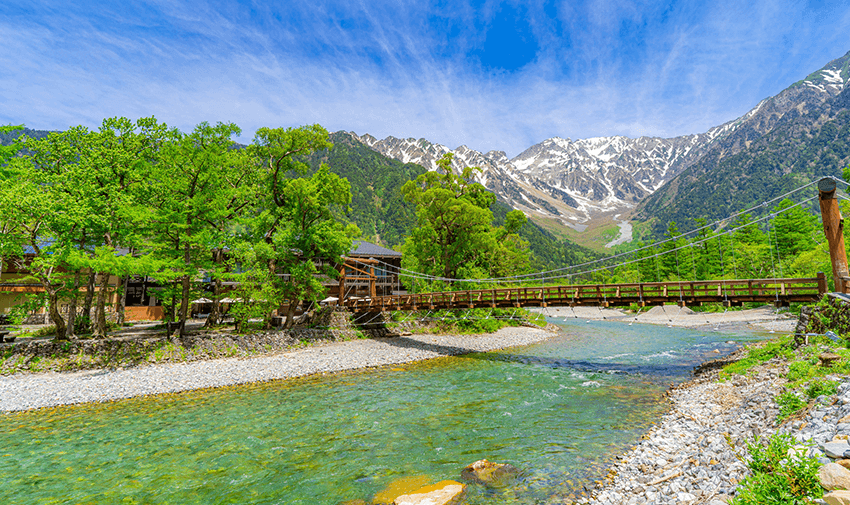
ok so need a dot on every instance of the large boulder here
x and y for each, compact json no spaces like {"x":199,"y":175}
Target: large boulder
{"x":447,"y":492}
{"x":833,"y":476}
{"x":489,"y":473}
{"x":837,"y":498}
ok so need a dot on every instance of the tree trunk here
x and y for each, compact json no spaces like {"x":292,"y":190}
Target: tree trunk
{"x":290,"y":314}
{"x":55,"y":315}
{"x":184,"y":299}
{"x":100,"y":308}
{"x":72,"y":306}
{"x":272,"y":265}
{"x":122,"y":301}
{"x":89,"y":298}
{"x":184,"y":307}
{"x":213,"y":317}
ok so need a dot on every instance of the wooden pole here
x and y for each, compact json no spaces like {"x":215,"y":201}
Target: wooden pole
{"x":341,"y":284}
{"x":833,"y":228}
{"x":372,"y":291}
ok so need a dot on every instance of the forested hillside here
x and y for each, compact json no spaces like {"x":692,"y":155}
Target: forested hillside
{"x":378,"y":208}
{"x":802,"y":146}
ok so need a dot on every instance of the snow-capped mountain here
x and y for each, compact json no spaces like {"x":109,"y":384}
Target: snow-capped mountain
{"x":568,"y":181}
{"x":574,"y":181}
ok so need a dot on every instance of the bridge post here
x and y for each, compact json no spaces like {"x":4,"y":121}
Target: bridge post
{"x":833,"y":228}
{"x":373,"y":292}
{"x":341,"y":283}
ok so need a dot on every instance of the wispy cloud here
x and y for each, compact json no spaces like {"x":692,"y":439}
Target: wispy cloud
{"x":600,"y":67}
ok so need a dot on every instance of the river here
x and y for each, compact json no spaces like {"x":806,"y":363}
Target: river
{"x":558,"y":410}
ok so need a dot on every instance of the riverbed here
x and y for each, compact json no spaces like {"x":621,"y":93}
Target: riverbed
{"x":559,"y":410}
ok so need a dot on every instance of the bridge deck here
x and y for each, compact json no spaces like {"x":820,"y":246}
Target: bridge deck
{"x":730,"y":292}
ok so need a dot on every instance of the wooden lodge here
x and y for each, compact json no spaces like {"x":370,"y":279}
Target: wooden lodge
{"x":370,"y":270}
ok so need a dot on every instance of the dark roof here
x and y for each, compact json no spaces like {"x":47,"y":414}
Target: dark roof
{"x":361,"y":248}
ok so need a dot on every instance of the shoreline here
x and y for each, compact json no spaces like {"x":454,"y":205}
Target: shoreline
{"x":692,"y":455}
{"x":670,"y":315}
{"x":23,"y":392}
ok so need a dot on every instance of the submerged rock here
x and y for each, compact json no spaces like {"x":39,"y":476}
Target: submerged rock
{"x":400,"y":487}
{"x":489,"y":473}
{"x":447,"y":492}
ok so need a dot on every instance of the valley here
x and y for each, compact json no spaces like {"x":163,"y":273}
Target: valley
{"x":575,"y":188}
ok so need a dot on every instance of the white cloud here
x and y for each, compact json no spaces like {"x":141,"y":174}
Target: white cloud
{"x":393,"y":69}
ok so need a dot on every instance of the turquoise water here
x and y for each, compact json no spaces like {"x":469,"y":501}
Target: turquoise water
{"x":558,"y":410}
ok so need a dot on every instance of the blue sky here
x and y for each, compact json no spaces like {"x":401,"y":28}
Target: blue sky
{"x":490,"y":75}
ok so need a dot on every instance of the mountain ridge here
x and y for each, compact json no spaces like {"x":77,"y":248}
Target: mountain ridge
{"x":575,"y":182}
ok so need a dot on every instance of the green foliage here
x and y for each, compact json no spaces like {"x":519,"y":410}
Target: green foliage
{"x":758,"y":354}
{"x":778,"y":478}
{"x":789,"y":403}
{"x":9,"y":150}
{"x":377,"y":206}
{"x":454,"y":237}
{"x":24,"y":306}
{"x":821,"y":387}
{"x":801,"y":370}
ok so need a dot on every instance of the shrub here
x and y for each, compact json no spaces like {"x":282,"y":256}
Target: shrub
{"x":800,"y":370}
{"x":821,"y":387}
{"x":789,"y":404}
{"x":778,"y":478}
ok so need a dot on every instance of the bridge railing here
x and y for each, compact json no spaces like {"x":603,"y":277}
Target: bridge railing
{"x":732,"y":291}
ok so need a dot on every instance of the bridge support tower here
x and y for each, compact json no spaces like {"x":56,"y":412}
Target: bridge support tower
{"x":833,"y":228}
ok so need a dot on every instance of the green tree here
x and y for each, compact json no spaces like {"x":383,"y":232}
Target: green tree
{"x":793,"y":229}
{"x":454,"y":237}
{"x":296,"y":232}
{"x":111,"y":182}
{"x":6,"y":153}
{"x":191,"y":191}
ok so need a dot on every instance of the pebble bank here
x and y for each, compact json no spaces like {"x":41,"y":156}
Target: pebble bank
{"x":693,"y":456}
{"x":32,"y":391}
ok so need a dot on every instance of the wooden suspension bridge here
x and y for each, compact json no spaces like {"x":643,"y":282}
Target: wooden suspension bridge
{"x":778,"y":291}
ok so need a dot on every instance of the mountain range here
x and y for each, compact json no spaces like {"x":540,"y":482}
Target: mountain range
{"x":575,"y":183}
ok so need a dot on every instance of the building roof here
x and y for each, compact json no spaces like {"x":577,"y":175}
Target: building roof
{"x":367,"y":249}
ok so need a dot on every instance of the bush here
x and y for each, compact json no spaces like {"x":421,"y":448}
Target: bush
{"x":777,"y":478}
{"x":800,"y":370}
{"x":821,"y":387}
{"x":789,"y":404}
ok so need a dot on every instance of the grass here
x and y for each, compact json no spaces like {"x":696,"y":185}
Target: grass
{"x":777,"y":478}
{"x":758,"y":354}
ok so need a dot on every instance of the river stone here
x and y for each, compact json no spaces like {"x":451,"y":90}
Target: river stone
{"x":843,"y":462}
{"x":837,"y":498}
{"x":833,"y":476}
{"x":489,"y":473}
{"x":828,"y":358}
{"x":447,"y":492}
{"x":399,"y":487}
{"x":835,"y":450}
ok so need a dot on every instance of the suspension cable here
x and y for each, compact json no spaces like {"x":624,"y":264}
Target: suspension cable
{"x":522,"y":278}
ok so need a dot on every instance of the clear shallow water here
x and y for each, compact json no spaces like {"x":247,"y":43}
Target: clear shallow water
{"x":558,"y":410}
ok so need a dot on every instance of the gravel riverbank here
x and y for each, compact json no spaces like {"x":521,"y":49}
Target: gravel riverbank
{"x":32,"y":391}
{"x":690,"y":456}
